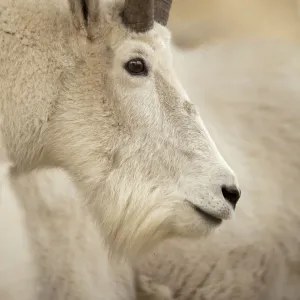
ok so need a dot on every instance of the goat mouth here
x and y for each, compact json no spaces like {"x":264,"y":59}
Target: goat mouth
{"x":207,"y":216}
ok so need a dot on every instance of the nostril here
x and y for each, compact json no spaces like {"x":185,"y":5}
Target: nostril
{"x":231,"y":193}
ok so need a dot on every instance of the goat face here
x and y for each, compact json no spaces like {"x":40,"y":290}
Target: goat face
{"x":125,"y":129}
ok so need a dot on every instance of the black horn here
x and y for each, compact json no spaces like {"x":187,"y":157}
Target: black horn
{"x":138,"y":15}
{"x":162,"y":11}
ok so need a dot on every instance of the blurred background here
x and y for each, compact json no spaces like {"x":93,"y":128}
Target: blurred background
{"x":196,"y":22}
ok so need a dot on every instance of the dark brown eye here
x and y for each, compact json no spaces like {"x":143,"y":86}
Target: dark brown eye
{"x":136,"y":66}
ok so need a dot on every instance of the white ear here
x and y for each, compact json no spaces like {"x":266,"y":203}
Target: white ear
{"x":85,"y":15}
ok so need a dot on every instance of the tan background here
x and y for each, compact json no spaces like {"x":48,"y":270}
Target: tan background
{"x":200,"y":21}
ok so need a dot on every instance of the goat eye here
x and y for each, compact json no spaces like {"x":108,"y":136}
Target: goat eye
{"x":136,"y":66}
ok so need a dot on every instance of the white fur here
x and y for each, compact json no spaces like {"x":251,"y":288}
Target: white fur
{"x":134,"y":146}
{"x":50,"y":247}
{"x":255,"y":256}
{"x":252,"y":91}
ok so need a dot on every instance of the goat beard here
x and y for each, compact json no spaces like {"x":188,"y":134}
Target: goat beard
{"x":130,"y":221}
{"x":131,"y":224}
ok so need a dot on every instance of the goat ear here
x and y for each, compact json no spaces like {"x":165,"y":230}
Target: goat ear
{"x":85,"y":14}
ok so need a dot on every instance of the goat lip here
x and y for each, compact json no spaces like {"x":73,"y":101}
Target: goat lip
{"x":204,"y":214}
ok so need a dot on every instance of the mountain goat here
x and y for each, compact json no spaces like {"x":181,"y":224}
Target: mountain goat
{"x":89,"y":87}
{"x":98,"y":97}
{"x":253,"y":116}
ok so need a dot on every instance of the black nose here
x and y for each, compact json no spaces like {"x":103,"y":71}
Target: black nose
{"x":231,"y":193}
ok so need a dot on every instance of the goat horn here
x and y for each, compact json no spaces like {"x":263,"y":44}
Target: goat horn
{"x":162,"y":11}
{"x":138,"y":15}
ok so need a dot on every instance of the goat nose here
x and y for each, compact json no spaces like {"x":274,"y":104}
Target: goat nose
{"x":231,"y":193}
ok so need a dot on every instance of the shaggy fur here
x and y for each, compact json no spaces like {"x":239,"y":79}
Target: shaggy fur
{"x":257,"y":102}
{"x":134,"y":145}
{"x":254,"y":257}
{"x":50,"y":246}
{"x":248,"y":93}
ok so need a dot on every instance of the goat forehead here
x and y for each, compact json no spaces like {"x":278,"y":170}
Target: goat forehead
{"x":146,"y":42}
